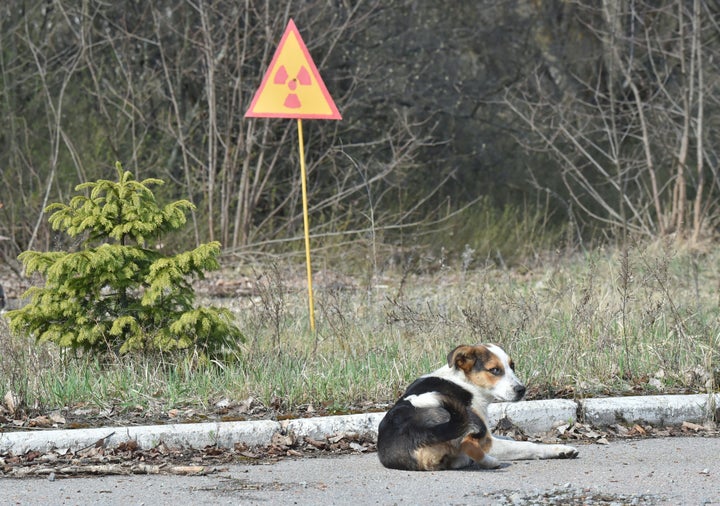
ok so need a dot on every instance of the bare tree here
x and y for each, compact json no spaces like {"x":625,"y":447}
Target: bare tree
{"x":623,"y":134}
{"x":163,"y":86}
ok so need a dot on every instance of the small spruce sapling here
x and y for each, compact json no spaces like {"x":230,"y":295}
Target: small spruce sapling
{"x":117,"y":294}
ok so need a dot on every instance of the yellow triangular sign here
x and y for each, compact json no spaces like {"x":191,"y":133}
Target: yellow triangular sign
{"x":292,"y":86}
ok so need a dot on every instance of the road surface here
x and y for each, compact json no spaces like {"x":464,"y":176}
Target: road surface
{"x":648,"y":471}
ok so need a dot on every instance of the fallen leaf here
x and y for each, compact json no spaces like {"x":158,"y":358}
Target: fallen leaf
{"x":40,"y":421}
{"x":282,"y":440}
{"x":223,"y":403}
{"x":357,"y":447}
{"x":562,"y":429}
{"x":692,"y":426}
{"x":620,"y":430}
{"x":11,"y":401}
{"x":32,"y":455}
{"x":320,"y":445}
{"x":213,"y":450}
{"x":637,"y":429}
{"x":245,"y":405}
{"x":128,"y":446}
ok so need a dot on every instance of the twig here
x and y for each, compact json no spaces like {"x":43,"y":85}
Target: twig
{"x":97,"y":444}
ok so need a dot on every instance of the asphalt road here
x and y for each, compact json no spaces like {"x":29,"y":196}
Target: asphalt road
{"x":649,"y":471}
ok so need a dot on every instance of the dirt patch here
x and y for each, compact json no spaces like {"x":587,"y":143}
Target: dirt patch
{"x":569,"y":496}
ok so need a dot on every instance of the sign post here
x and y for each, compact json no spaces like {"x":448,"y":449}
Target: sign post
{"x":293,"y":89}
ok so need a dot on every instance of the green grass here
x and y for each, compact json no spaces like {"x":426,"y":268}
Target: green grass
{"x":644,"y":320}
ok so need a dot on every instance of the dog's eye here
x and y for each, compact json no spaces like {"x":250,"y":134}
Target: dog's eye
{"x":495,"y":371}
{"x":512,"y":365}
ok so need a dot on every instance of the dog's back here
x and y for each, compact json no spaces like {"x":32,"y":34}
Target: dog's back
{"x":424,"y":429}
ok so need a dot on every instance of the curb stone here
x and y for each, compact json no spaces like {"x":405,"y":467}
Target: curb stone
{"x":322,"y":427}
{"x":189,"y":435}
{"x":533,"y":417}
{"x":656,"y":410}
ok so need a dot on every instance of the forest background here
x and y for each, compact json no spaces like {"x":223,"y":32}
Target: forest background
{"x":486,"y":125}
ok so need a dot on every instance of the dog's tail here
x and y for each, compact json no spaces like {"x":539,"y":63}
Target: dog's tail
{"x":407,"y":428}
{"x":449,"y":421}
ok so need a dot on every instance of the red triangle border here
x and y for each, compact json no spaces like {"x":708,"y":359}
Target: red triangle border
{"x":335,"y":114}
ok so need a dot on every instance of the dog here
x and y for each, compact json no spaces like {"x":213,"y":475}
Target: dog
{"x":440,"y":422}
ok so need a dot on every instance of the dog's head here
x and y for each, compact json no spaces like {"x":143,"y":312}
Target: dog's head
{"x":490,"y":368}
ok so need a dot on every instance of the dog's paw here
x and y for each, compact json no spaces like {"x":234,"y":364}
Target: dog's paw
{"x":564,"y":452}
{"x":489,"y":462}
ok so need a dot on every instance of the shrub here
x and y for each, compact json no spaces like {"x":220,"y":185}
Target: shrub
{"x":118,"y":294}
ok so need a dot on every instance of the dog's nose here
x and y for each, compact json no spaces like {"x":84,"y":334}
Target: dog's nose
{"x":519,"y":391}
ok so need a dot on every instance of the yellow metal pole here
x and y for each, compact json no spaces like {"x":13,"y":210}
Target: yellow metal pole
{"x":307,"y":225}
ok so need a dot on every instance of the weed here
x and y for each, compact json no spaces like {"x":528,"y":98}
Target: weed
{"x":642,"y":319}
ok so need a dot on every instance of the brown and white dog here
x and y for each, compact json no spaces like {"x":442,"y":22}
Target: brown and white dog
{"x":441,"y":420}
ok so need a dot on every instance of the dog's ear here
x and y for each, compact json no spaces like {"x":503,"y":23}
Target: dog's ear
{"x":463,"y":357}
{"x":451,"y":355}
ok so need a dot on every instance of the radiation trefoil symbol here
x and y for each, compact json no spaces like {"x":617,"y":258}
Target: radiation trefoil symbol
{"x":292,"y":101}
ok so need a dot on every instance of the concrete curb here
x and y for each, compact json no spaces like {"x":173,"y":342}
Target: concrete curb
{"x":657,"y":410}
{"x":533,"y":417}
{"x":322,"y":427}
{"x":190,"y":435}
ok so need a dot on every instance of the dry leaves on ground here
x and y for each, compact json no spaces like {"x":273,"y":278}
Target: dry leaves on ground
{"x":586,"y":433}
{"x":128,"y":458}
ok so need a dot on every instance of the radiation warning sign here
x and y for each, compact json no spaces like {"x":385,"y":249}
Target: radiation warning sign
{"x":292,"y":86}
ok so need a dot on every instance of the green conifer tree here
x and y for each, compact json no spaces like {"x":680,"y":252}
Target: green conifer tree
{"x":117,"y":293}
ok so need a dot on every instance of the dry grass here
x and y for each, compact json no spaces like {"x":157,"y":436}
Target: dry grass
{"x":643,"y":320}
